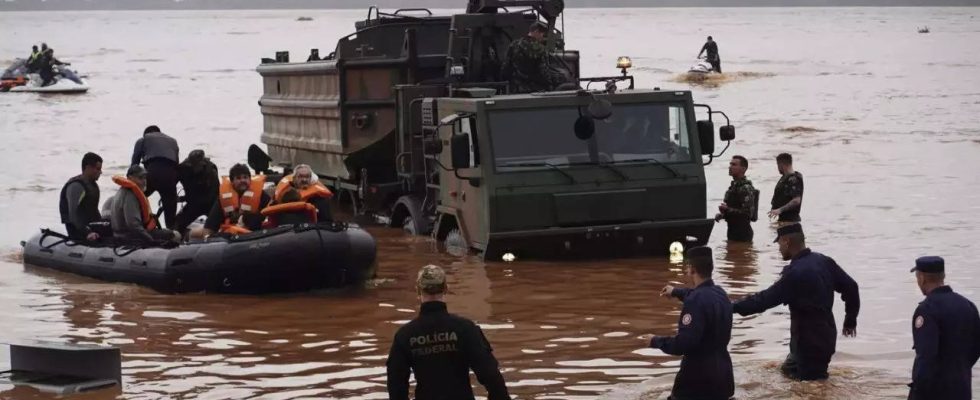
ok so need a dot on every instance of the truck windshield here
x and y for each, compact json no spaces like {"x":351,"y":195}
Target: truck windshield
{"x":544,"y":138}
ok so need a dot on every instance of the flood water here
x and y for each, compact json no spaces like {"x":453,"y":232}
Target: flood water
{"x":882,"y":121}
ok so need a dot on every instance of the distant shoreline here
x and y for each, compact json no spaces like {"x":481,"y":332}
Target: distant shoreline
{"x":210,"y":5}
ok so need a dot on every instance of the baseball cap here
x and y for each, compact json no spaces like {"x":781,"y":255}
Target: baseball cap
{"x":929,"y":264}
{"x":431,"y":277}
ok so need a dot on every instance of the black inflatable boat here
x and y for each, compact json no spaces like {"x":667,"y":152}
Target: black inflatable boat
{"x":284,"y":259}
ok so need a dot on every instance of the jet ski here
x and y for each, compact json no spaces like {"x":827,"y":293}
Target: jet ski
{"x":16,"y":79}
{"x":15,"y":75}
{"x":702,"y":66}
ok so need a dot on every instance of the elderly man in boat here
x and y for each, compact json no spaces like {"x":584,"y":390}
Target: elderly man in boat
{"x":310,"y":190}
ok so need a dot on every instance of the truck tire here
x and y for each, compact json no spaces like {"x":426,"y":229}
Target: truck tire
{"x":455,"y":243}
{"x":407,"y":213}
{"x":409,"y":227}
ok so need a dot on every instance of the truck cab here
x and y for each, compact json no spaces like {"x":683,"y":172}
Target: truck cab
{"x":539,"y":174}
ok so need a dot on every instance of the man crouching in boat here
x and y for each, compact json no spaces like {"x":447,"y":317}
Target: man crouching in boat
{"x":239,"y":206}
{"x":131,"y":218}
{"x":310,"y":191}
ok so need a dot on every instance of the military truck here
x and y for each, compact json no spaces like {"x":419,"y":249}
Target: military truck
{"x":409,"y":119}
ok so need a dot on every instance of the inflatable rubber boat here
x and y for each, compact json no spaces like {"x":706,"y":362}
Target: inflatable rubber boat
{"x":284,"y":259}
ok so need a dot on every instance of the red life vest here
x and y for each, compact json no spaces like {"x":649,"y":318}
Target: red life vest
{"x":317,"y":189}
{"x":273,"y":212}
{"x":148,"y":222}
{"x":249,"y":202}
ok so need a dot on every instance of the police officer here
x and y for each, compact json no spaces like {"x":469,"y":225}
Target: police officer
{"x":946,"y":337}
{"x":441,"y":348}
{"x":703,"y":333}
{"x":34,"y":59}
{"x":526,"y":65}
{"x":711,"y":47}
{"x":807,"y":285}
{"x":787,"y":198}
{"x":738,"y":209}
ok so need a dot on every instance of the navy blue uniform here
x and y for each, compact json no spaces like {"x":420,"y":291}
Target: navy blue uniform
{"x":807,"y":285}
{"x":441,"y":348}
{"x":946,"y":336}
{"x":703,"y":333}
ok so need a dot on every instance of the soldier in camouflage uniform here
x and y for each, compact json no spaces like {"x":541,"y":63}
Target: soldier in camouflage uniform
{"x":527,"y":66}
{"x":738,"y":208}
{"x":788,"y":196}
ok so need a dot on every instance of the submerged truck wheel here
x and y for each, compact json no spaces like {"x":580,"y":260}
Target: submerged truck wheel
{"x":455,"y":243}
{"x":408,"y":225}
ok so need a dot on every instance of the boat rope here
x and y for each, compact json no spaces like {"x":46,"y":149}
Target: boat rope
{"x":45,"y":232}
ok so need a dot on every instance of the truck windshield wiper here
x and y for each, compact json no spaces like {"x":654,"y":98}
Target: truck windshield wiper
{"x":608,"y":166}
{"x":655,"y":161}
{"x":543,"y":164}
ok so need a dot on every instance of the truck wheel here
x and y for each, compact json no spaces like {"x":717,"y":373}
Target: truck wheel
{"x":408,"y":225}
{"x":455,"y":244}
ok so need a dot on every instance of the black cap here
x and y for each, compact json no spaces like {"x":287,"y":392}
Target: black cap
{"x":699,"y":251}
{"x":196,"y":154}
{"x":136,"y":170}
{"x":788,"y":229}
{"x":929,"y":264}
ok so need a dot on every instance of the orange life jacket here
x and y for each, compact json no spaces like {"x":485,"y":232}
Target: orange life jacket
{"x":148,"y":222}
{"x":273,"y":212}
{"x":249,"y":202}
{"x":317,"y":189}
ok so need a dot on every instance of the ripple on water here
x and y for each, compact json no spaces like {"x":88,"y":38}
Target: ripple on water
{"x":183,"y":316}
{"x":762,"y":379}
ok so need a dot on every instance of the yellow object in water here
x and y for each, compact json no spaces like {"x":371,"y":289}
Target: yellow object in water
{"x":676,"y":248}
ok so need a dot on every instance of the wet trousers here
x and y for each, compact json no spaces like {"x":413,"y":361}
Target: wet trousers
{"x":804,"y":369}
{"x":161,"y":176}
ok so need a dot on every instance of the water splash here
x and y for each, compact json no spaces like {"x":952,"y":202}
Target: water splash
{"x":714,"y":80}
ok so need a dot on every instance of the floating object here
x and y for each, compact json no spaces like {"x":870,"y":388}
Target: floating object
{"x":509,"y":257}
{"x":62,"y":368}
{"x":304,"y":19}
{"x":924,"y":29}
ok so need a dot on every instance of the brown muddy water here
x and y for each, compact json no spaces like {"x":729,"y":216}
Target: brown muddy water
{"x":883,"y":123}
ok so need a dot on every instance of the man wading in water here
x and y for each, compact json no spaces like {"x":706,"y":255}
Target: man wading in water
{"x":441,"y":349}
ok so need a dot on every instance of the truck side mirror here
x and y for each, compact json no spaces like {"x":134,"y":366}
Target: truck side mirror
{"x":600,"y":109}
{"x":460,"y":147}
{"x":727,"y":133}
{"x":584,"y":128}
{"x":706,"y":135}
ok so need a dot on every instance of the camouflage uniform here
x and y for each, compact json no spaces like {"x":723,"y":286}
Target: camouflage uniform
{"x":740,"y":199}
{"x":789,"y":187}
{"x":526,"y":67}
